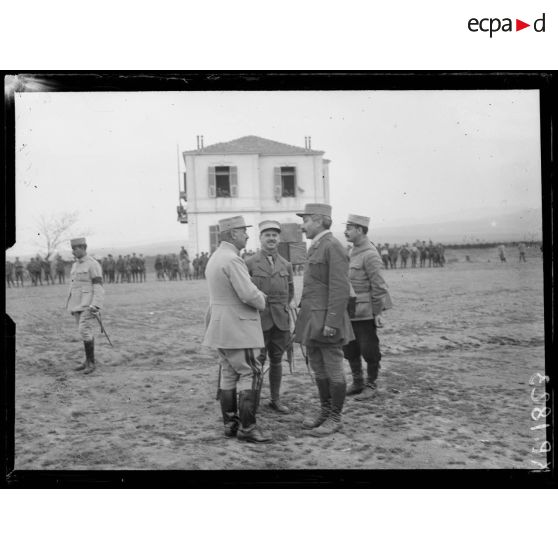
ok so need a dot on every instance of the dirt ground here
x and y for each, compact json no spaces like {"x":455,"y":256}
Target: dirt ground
{"x":459,"y":349}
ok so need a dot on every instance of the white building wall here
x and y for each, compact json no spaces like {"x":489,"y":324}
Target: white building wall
{"x":255,"y":201}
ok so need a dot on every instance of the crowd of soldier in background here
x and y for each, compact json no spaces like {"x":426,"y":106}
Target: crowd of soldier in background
{"x":180,"y":267}
{"x":418,"y":254}
{"x":125,"y":269}
{"x":35,"y":271}
{"x":132,"y":269}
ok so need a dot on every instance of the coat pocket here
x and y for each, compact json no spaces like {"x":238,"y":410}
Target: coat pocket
{"x":363,"y":306}
{"x":248,"y":314}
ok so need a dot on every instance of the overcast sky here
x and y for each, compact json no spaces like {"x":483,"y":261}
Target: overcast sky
{"x":401,"y":157}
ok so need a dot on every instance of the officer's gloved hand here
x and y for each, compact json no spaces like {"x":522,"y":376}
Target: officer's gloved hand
{"x":94,"y":309}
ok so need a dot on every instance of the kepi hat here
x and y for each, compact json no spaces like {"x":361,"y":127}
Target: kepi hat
{"x":230,"y":223}
{"x":269,"y":224}
{"x":360,"y":220}
{"x":316,"y":209}
{"x":78,"y":242}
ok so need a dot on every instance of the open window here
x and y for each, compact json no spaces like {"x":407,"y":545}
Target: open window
{"x":284,"y":183}
{"x":223,"y":182}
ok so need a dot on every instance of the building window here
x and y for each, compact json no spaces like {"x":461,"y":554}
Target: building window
{"x":213,"y":238}
{"x":223,"y":182}
{"x":284,"y":184}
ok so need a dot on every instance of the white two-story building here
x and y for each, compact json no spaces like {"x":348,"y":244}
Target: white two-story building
{"x":250,"y":176}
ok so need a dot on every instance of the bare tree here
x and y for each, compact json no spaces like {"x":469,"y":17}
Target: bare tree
{"x":54,"y":230}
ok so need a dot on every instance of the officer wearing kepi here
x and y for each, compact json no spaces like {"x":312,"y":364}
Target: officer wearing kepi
{"x":85,"y":298}
{"x":273,"y":275}
{"x":233,"y":327}
{"x":372,"y":298}
{"x":323,"y":323}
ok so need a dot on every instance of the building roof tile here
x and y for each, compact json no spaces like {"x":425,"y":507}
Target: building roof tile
{"x":253,"y":144}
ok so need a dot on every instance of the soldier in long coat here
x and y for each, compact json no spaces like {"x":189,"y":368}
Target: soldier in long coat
{"x":372,"y":298}
{"x":234,"y":329}
{"x":85,"y":298}
{"x":323,"y":323}
{"x":273,"y":275}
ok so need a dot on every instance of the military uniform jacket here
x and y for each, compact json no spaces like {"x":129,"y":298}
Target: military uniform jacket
{"x":232,"y":320}
{"x":86,"y":285}
{"x":277,"y":284}
{"x":325,"y":294}
{"x":365,"y":274}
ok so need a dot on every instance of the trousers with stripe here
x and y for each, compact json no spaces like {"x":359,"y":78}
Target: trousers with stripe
{"x":238,"y":368}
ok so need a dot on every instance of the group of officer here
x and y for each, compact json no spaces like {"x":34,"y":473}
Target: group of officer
{"x":248,"y":319}
{"x":252,"y":309}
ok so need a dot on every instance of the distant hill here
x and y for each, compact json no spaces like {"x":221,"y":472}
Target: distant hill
{"x":520,"y":225}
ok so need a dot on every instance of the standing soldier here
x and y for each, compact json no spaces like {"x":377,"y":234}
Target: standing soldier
{"x":393,"y":255}
{"x":414,"y":253}
{"x":18,"y":265}
{"x":430,"y":253}
{"x":196,"y":264}
{"x":10,"y":274}
{"x":60,"y":269}
{"x":121,"y":269}
{"x":384,"y":252}
{"x":32,"y":270}
{"x":47,"y":270}
{"x":85,"y":298}
{"x":273,"y":275}
{"x":404,"y":253}
{"x":111,"y":267}
{"x":372,"y":298}
{"x":141,"y":266}
{"x":521,"y":248}
{"x":423,"y":253}
{"x":502,"y":253}
{"x":323,"y":324}
{"x":234,"y":329}
{"x":159,"y":268}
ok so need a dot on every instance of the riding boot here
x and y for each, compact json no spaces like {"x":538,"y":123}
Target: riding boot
{"x":333,"y":423}
{"x":89,"y":356}
{"x":370,"y":391}
{"x":229,"y":410}
{"x":275,"y":374}
{"x":83,"y":365}
{"x":325,"y":405}
{"x":249,"y":431}
{"x":358,"y":378}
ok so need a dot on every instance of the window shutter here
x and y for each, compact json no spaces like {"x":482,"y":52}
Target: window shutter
{"x":295,"y":181}
{"x":234,"y":181}
{"x":211,"y":182}
{"x":277,"y":187}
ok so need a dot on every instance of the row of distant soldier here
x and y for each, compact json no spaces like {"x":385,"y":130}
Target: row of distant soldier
{"x":35,"y":270}
{"x":419,"y":253}
{"x":124,"y":269}
{"x":178,"y":267}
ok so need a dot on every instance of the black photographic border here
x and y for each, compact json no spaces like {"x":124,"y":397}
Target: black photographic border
{"x":77,"y":81}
